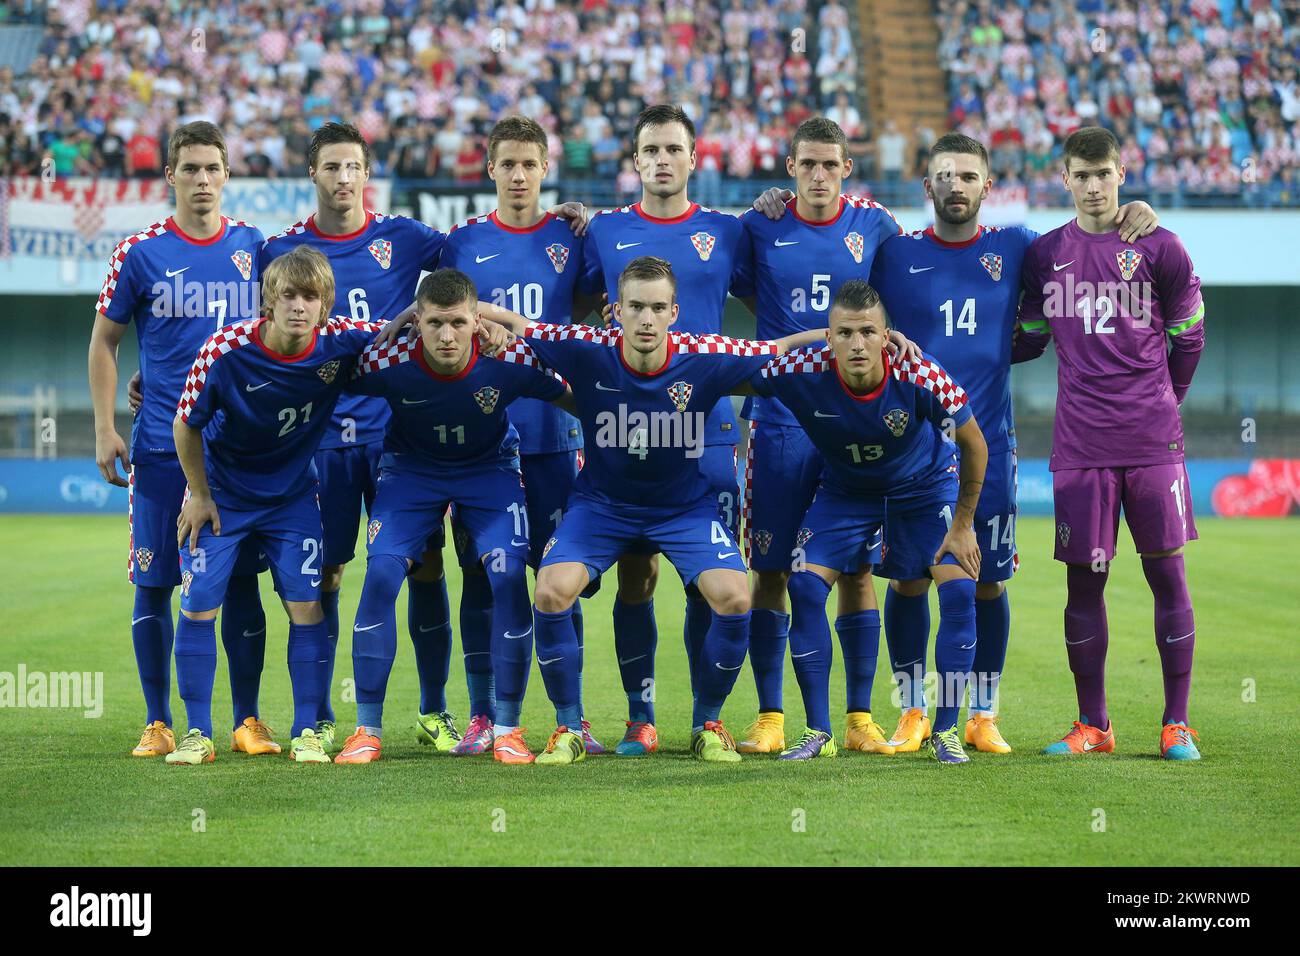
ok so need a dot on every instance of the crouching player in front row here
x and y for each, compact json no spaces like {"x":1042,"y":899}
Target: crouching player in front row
{"x":643,"y":395}
{"x":255,"y":404}
{"x":879,"y":423}
{"x":449,"y":441}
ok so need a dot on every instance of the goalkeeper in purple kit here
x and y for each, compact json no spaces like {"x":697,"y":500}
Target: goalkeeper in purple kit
{"x":1127,"y":319}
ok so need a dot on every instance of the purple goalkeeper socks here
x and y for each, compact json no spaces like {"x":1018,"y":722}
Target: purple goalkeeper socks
{"x":1175,"y":631}
{"x":1086,"y":640}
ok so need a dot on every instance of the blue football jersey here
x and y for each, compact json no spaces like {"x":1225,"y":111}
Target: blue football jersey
{"x":263,"y":414}
{"x":533,"y":272}
{"x":958,"y":302}
{"x":889,"y":442}
{"x":376,"y":271}
{"x":451,"y":420}
{"x":646,"y":432}
{"x":178,"y":291}
{"x":799,"y":265}
{"x":708,"y":254}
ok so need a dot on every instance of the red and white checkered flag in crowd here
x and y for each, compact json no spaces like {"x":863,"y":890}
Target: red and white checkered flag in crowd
{"x":88,"y":213}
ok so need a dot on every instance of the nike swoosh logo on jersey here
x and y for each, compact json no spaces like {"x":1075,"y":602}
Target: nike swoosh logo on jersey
{"x":1056,"y":268}
{"x":1006,"y":562}
{"x":517,"y":637}
{"x":817,"y":414}
{"x":620,"y":246}
{"x":602,"y":388}
{"x":407,"y":401}
{"x":176,"y":273}
{"x":719,"y":666}
{"x":137,"y":620}
{"x":369,"y":627}
{"x":480,"y":259}
{"x":1175,"y":640}
{"x":804,"y":654}
{"x":551,"y":661}
{"x":518,"y":544}
{"x":729,"y":554}
{"x":914,"y":270}
{"x":779,"y":243}
{"x":1084,"y":641}
{"x":254,"y":388}
{"x":629,"y":660}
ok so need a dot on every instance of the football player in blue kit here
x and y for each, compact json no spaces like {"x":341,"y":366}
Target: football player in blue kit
{"x":644,"y":396}
{"x":706,"y":249}
{"x":377,"y":261}
{"x":798,"y":262}
{"x":954,"y":289}
{"x":449,"y":442}
{"x":178,"y":281}
{"x":255,"y":403}
{"x":880,"y":425}
{"x":522,"y":258}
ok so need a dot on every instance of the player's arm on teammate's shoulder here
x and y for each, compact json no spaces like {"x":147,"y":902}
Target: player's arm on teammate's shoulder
{"x":105,"y":337}
{"x":771,"y":202}
{"x":199,"y":509}
{"x":1135,"y":220}
{"x":800,"y":340}
{"x":575,"y":213}
{"x":960,"y":540}
{"x":566,"y":401}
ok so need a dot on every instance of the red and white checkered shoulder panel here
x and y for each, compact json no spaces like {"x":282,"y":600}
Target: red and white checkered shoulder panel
{"x":863,"y":203}
{"x":343,"y":323}
{"x":218,"y":344}
{"x":118,"y":257}
{"x":518,"y":352}
{"x":472,"y":220}
{"x":933,"y":378}
{"x":801,"y":361}
{"x":712,"y":344}
{"x":293,"y":230}
{"x":378,"y":357}
{"x":550,"y":332}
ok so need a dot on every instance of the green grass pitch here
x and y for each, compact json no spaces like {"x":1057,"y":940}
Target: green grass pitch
{"x":73,"y":796}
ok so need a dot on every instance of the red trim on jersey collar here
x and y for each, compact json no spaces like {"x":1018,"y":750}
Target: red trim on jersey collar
{"x":659,"y":371}
{"x":496,"y":221}
{"x":286,"y":359}
{"x":792,"y":204}
{"x":170,"y":224}
{"x":315,"y":229}
{"x":930,"y":234}
{"x":694,"y":207}
{"x":872,"y":395}
{"x":423,"y":362}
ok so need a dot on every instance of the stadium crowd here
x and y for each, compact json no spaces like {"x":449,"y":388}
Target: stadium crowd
{"x":1204,"y":95}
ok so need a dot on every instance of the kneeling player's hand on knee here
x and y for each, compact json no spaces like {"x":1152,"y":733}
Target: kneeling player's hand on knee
{"x":194,"y":515}
{"x":961,"y":544}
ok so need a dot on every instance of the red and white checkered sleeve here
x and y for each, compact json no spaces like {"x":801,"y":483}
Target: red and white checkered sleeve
{"x":519,"y":352}
{"x":378,"y":357}
{"x":801,"y":361}
{"x":710,"y":344}
{"x":935,"y":380}
{"x":550,"y":332}
{"x":218,"y":344}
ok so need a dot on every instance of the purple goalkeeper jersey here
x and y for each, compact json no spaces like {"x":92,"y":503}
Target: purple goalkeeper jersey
{"x":1127,"y":321}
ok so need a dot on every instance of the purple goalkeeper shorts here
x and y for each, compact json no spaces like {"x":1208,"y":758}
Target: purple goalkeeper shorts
{"x":1156,"y":501}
